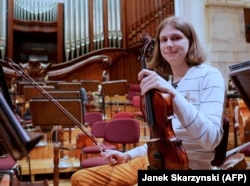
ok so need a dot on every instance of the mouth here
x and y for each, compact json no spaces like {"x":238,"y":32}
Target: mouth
{"x":171,"y":53}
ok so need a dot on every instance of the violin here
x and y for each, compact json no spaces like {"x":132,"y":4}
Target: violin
{"x":165,"y":151}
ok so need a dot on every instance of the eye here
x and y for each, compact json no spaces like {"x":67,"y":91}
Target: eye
{"x":175,"y":38}
{"x":162,"y":40}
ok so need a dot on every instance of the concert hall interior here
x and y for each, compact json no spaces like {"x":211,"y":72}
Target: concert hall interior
{"x":84,"y":55}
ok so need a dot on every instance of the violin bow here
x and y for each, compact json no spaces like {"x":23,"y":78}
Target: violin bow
{"x":237,"y":149}
{"x":21,"y":72}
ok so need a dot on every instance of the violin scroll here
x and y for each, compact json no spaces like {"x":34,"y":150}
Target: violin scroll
{"x":148,"y":46}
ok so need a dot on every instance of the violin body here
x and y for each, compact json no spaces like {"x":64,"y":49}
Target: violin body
{"x":165,"y":151}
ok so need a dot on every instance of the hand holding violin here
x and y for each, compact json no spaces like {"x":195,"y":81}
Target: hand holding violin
{"x":151,"y":80}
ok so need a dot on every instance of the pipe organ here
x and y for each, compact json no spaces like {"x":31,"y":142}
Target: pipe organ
{"x":62,"y":30}
{"x":3,"y":23}
{"x":35,"y":30}
{"x":88,"y":23}
{"x":27,"y":10}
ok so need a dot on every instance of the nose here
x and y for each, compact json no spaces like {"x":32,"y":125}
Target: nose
{"x":169,"y":43}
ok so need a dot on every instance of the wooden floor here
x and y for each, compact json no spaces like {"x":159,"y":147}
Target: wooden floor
{"x":41,"y":157}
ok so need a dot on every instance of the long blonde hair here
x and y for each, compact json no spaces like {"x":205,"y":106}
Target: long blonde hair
{"x":195,"y":55}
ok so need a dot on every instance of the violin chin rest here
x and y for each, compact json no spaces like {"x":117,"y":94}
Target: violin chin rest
{"x":246,"y":151}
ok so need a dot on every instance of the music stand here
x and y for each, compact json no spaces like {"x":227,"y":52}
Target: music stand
{"x":22,"y":84}
{"x":45,"y":113}
{"x":67,"y":94}
{"x":69,"y":86}
{"x":93,"y":100}
{"x":30,"y":92}
{"x":15,"y":139}
{"x":53,"y":83}
{"x":90,"y":85}
{"x":113,"y":88}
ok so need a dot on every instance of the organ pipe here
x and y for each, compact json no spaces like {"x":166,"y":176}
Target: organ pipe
{"x":93,"y":24}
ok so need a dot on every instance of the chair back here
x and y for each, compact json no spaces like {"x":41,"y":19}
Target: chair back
{"x":116,"y":87}
{"x":8,"y":165}
{"x":92,"y":117}
{"x":122,"y":131}
{"x":98,"y":129}
{"x":7,"y":162}
{"x":136,"y":101}
{"x":123,"y":115}
{"x":134,"y":90}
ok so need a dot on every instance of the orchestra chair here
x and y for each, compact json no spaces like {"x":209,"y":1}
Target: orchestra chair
{"x":97,"y":130}
{"x":137,"y":113}
{"x":8,"y":165}
{"x":124,"y":114}
{"x":136,"y":104}
{"x":92,"y":117}
{"x":118,"y":131}
{"x":89,"y":119}
{"x":134,"y":90}
{"x":114,"y":88}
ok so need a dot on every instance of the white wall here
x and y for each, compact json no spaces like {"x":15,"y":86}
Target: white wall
{"x":221,"y":29}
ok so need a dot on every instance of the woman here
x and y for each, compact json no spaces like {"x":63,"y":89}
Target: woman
{"x":197,"y":91}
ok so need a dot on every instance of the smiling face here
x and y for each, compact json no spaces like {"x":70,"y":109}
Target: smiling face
{"x":174,"y":45}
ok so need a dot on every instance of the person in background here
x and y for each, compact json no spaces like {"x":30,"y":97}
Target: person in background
{"x":197,"y":91}
{"x":84,"y":98}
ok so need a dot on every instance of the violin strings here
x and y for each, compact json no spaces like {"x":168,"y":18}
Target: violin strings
{"x":17,"y":69}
